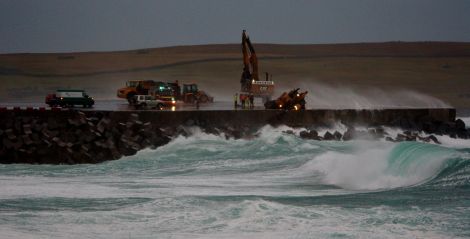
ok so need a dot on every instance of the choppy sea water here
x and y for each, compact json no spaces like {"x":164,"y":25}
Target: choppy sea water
{"x":274,"y":186}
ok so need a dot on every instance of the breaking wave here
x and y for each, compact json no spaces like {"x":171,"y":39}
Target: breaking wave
{"x":273,"y":186}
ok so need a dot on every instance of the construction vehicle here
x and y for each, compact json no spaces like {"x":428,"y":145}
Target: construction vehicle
{"x":135,"y":87}
{"x":162,"y":91}
{"x":166,"y":91}
{"x":65,"y":98}
{"x":293,"y":100}
{"x":250,"y":82}
{"x":159,"y":89}
{"x":175,"y":86}
{"x":191,"y":93}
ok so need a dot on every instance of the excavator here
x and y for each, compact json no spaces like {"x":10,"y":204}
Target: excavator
{"x":250,"y":82}
{"x":252,"y":85}
{"x":292,"y":100}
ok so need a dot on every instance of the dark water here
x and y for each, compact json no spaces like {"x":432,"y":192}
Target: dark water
{"x":275,"y":186}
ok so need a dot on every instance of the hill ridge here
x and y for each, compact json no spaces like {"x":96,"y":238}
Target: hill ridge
{"x":91,"y":63}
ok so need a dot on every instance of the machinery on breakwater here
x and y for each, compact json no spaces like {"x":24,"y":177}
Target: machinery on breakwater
{"x":167,"y":91}
{"x":250,"y":83}
{"x":252,"y":86}
{"x":294,"y":100}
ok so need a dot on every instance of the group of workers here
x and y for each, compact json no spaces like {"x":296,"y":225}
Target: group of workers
{"x":246,"y":100}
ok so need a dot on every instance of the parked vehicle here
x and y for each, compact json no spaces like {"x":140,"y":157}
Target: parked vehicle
{"x":149,"y":101}
{"x":69,"y":98}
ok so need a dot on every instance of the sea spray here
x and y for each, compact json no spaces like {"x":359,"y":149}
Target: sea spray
{"x":273,"y":186}
{"x":326,"y":96}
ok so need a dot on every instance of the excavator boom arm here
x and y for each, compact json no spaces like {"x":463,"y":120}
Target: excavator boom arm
{"x":250,"y":60}
{"x":246,"y":54}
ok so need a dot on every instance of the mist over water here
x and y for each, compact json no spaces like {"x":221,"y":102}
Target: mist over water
{"x":274,"y":186}
{"x":343,"y":97}
{"x":326,"y":96}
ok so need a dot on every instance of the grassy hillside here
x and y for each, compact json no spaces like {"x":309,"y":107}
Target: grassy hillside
{"x":438,"y":69}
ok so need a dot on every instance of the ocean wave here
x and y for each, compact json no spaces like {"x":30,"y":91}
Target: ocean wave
{"x":275,"y":185}
{"x":280,"y":157}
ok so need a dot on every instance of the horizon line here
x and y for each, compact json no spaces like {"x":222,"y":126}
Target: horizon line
{"x":216,"y":44}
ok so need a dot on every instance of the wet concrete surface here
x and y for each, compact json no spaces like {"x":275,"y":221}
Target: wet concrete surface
{"x":122,"y":105}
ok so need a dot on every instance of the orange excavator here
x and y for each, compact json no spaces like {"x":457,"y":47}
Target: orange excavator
{"x":292,"y":100}
{"x":250,"y":82}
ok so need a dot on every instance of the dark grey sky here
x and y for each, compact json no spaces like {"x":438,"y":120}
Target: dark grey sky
{"x":102,"y":25}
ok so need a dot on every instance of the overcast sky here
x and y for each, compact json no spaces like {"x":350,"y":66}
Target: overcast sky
{"x":103,"y":25}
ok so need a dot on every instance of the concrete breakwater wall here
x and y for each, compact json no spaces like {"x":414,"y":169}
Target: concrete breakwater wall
{"x":257,"y":118}
{"x":71,"y":137}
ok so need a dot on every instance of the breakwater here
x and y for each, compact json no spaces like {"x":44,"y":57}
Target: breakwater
{"x":71,"y":137}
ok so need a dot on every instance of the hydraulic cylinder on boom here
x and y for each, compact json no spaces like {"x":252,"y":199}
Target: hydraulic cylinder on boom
{"x":250,"y":82}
